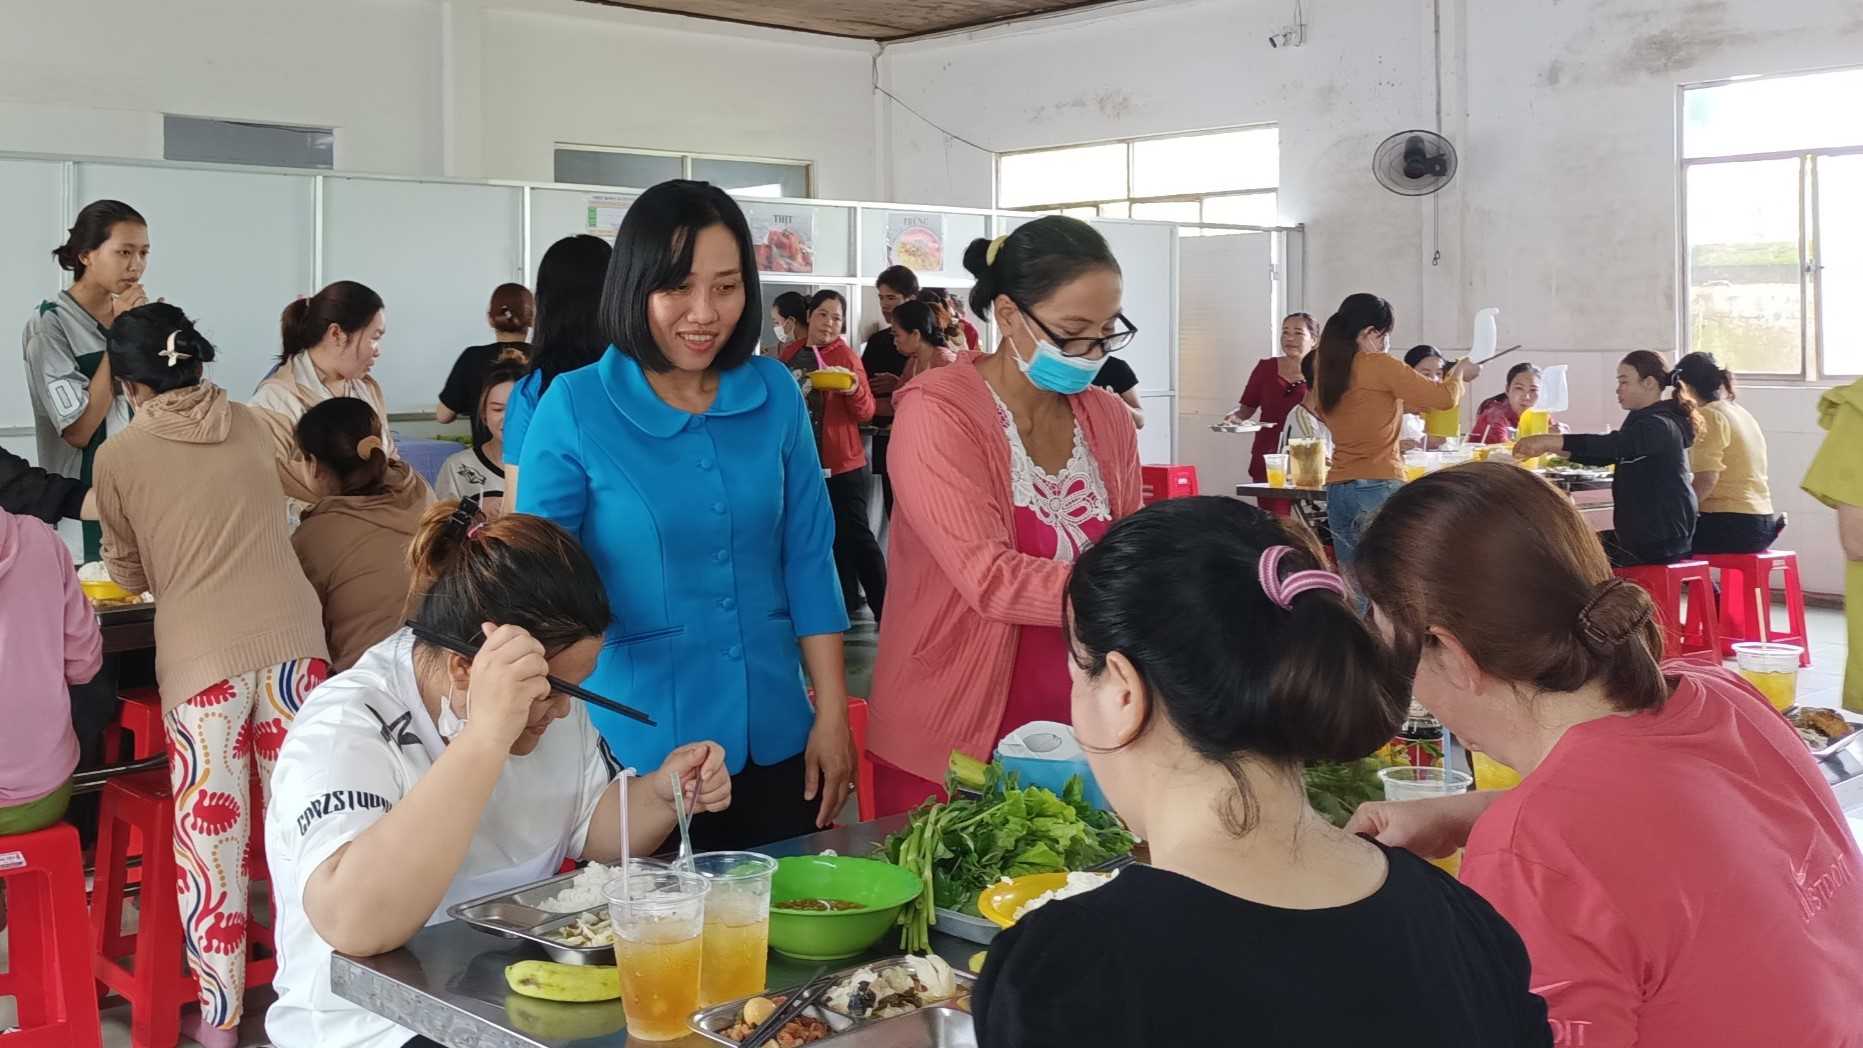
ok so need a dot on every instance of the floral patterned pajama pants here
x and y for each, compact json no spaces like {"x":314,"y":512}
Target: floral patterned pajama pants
{"x":213,"y":739}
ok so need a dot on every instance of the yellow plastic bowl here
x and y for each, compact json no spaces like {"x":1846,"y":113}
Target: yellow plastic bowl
{"x":831,"y":380}
{"x":999,"y":902}
{"x":105,"y":590}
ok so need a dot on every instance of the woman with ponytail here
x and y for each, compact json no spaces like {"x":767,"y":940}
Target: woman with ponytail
{"x":75,"y":405}
{"x":1673,"y":857}
{"x":421,"y":777}
{"x":1007,"y":466}
{"x":1729,"y":462}
{"x":353,"y":541}
{"x":189,"y":496}
{"x":1210,"y":656}
{"x":510,"y":314}
{"x":1653,"y":505}
{"x":330,"y":341}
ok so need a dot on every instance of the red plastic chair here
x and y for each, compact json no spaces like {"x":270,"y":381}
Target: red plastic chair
{"x":137,"y":733}
{"x":1746,"y":599}
{"x":1690,"y":628}
{"x":156,"y":984}
{"x":48,"y":971}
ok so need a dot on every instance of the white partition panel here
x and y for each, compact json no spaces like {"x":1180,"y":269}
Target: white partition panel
{"x":231,"y":248}
{"x":1226,"y":303}
{"x":434,"y":251}
{"x":559,"y":213}
{"x":1147,"y":254}
{"x":32,"y":215}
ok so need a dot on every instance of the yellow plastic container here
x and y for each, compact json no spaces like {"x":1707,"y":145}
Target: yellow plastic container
{"x":831,"y":381}
{"x":105,"y":591}
{"x":1491,"y":774}
{"x":1444,"y":423}
{"x":1772,"y":669}
{"x":999,"y":902}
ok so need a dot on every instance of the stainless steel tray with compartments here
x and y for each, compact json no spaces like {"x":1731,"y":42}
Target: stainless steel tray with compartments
{"x":944,"y":1024}
{"x":518,"y":914}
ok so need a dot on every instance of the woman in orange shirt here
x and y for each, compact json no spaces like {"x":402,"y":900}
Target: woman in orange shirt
{"x":1363,"y":393}
{"x":838,"y":415}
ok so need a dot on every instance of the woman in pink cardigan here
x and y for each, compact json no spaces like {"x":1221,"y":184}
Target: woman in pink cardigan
{"x":1006,"y":466}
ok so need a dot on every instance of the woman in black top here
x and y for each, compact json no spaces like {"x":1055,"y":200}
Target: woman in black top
{"x":510,"y":316}
{"x":1654,"y":506}
{"x":1211,"y":657}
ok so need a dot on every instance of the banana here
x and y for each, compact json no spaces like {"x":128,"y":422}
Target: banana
{"x":976,"y":962}
{"x":549,"y":981}
{"x":550,"y":1021}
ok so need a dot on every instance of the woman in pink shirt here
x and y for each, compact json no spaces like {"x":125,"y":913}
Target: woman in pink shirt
{"x":1006,"y":466}
{"x":48,"y":639}
{"x":1679,"y":869}
{"x":1500,"y":414}
{"x":920,"y":340}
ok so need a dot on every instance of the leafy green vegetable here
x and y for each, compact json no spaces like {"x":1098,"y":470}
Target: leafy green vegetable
{"x":960,"y":848}
{"x":1336,"y":790}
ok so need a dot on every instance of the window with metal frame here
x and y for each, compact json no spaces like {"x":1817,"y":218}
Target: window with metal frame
{"x":245,"y":142}
{"x":1772,"y":233}
{"x":1230,"y":177}
{"x":639,"y":169}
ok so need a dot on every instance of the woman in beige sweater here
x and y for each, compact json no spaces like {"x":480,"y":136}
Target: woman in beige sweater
{"x":353,"y":542}
{"x":330,"y":341}
{"x":191,"y":508}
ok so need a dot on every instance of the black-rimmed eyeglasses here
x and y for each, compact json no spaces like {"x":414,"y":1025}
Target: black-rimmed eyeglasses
{"x":1086,"y":344}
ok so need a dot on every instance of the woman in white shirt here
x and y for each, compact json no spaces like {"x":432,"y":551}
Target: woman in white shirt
{"x":420,"y":778}
{"x":479,"y":471}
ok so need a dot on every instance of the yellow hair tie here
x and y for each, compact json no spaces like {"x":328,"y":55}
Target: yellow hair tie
{"x":996,"y":247}
{"x":368,"y":445}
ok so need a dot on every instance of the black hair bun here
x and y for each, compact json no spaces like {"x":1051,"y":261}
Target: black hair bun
{"x":190,"y":341}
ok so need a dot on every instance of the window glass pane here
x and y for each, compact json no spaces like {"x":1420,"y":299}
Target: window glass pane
{"x":1744,"y":304}
{"x":1062,"y":176}
{"x":1248,"y":159}
{"x":1186,"y":211}
{"x":595,"y":167}
{"x":1774,"y":114}
{"x":235,"y":142}
{"x":1116,"y":209}
{"x":1840,"y":250}
{"x":1251,"y":209}
{"x":753,"y":178}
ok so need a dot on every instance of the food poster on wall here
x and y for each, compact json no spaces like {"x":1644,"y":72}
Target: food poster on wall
{"x":915,"y":241}
{"x":606,"y":211}
{"x":784,"y":236}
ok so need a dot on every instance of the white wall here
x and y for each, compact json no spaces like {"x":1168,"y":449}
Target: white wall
{"x":467,"y":88}
{"x":1563,"y":214}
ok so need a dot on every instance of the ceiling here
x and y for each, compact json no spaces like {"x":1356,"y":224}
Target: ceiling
{"x":861,"y":19}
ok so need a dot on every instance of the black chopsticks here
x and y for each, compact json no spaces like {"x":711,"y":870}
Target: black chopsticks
{"x":469,"y":651}
{"x":803,"y":1000}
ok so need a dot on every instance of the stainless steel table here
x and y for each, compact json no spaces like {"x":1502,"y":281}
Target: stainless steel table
{"x":448,"y":983}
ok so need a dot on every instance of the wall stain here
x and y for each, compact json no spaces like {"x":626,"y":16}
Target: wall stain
{"x":1553,"y":73}
{"x":1112,"y":105}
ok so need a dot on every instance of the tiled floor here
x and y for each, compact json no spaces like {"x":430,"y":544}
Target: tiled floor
{"x":1820,"y":685}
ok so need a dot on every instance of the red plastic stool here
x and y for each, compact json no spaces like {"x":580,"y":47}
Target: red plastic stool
{"x":157,"y":985}
{"x":1689,"y":631}
{"x":863,"y":769}
{"x":1746,"y":599}
{"x":48,"y":972}
{"x":137,"y":733}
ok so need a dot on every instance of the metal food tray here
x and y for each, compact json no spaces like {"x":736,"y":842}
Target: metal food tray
{"x":982,"y":930}
{"x":516,"y":914}
{"x":1240,"y":427}
{"x":1836,"y":748}
{"x":946,"y":1024}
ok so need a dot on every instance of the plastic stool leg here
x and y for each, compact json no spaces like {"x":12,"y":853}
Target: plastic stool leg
{"x":30,"y":927}
{"x":1795,"y":609}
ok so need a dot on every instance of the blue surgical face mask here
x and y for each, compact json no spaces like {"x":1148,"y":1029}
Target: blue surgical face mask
{"x":1055,"y":371}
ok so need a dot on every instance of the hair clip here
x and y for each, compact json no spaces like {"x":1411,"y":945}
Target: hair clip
{"x":368,"y":445}
{"x":1282,"y":591}
{"x":995,"y":248}
{"x":172,"y":354}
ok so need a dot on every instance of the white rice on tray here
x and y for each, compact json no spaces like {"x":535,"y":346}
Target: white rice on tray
{"x":1077,"y":884}
{"x":583,"y":893}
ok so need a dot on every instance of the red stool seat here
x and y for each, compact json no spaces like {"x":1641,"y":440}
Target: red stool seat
{"x":1746,"y":599}
{"x":48,"y":969}
{"x":1690,"y":627}
{"x":137,"y":733}
{"x":156,"y":983}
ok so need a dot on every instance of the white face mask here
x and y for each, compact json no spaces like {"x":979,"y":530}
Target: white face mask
{"x":450,"y":723}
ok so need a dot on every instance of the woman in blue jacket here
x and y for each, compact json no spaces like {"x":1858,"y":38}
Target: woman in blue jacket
{"x":685,"y":465}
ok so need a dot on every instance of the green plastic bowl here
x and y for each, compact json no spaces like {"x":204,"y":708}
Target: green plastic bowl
{"x":830,"y":935}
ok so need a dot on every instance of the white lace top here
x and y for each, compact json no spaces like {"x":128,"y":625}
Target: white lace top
{"x":1062,"y":501}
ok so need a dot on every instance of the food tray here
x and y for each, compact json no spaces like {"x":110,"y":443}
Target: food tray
{"x":1836,"y":748}
{"x":946,"y":1024}
{"x":983,"y":931}
{"x":1240,"y":427}
{"x":515,"y":914}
